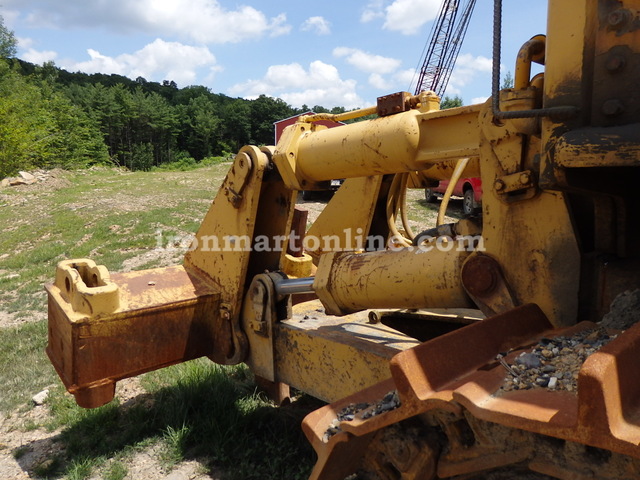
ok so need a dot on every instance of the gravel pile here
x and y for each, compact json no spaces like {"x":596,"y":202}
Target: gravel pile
{"x":26,"y":178}
{"x":554,"y":363}
{"x":625,"y":311}
{"x":364,"y":410}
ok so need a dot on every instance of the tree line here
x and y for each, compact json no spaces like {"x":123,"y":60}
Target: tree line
{"x":50,"y":117}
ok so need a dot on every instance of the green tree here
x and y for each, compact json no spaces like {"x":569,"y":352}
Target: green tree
{"x":75,"y":139}
{"x":8,"y":42}
{"x":47,"y":72}
{"x":450,"y":102}
{"x":265,"y":111}
{"x":507,"y":81}
{"x":153,"y":121}
{"x":236,"y":124}
{"x":185,"y":95}
{"x":320,"y":109}
{"x":40,"y":127}
{"x":200,"y":131}
{"x":50,"y":116}
{"x":23,"y":127}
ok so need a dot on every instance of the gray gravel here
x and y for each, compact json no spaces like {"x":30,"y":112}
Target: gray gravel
{"x":363,"y":410}
{"x":554,"y":363}
{"x":625,"y":311}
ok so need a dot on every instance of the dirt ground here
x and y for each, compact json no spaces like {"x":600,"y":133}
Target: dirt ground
{"x":25,"y":450}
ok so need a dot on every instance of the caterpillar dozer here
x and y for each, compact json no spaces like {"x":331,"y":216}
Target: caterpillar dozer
{"x":475,"y":349}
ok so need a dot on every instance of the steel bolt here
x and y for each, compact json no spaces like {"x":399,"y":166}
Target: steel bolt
{"x":615,"y":63}
{"x":480,"y":275}
{"x":612,"y":107}
{"x":499,"y":185}
{"x":618,"y":18}
{"x":525,"y":178}
{"x":484,"y":283}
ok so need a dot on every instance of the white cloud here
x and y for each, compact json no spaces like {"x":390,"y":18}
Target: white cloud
{"x":28,"y":53}
{"x":25,"y":42}
{"x":278,"y":26}
{"x":10,"y":16}
{"x":318,"y":25}
{"x":38,"y":57}
{"x":404,"y":16}
{"x":466,"y":70}
{"x":406,"y":78}
{"x":157,"y":61}
{"x":378,"y":81}
{"x":373,"y":10}
{"x":407,"y":16}
{"x":319,"y":85}
{"x":205,"y":21}
{"x":478,"y":100}
{"x":367,"y":62}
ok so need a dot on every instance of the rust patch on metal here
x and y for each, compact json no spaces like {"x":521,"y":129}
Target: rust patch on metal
{"x":298,"y":229}
{"x":457,"y":372}
{"x":480,"y":275}
{"x":165,"y":317}
{"x":394,"y":103}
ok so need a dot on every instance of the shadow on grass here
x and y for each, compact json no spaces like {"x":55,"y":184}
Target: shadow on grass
{"x":454,"y":209}
{"x":211,"y":413}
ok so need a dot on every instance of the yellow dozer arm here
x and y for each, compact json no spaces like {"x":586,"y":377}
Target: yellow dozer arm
{"x":351,"y":319}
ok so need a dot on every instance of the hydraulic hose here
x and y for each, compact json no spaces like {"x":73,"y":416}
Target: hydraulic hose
{"x":396,"y":200}
{"x":455,"y":176}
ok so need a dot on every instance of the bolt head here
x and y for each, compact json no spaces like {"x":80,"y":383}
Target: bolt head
{"x":485,"y":282}
{"x":612,"y":107}
{"x":615,"y":63}
{"x":480,"y":276}
{"x":618,"y":18}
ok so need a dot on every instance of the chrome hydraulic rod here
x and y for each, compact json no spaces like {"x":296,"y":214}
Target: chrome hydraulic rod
{"x":290,"y":286}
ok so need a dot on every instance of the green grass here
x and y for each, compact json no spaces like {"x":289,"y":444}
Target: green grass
{"x":116,"y":471}
{"x":425,"y":213}
{"x":104,"y":214}
{"x":197,"y":410}
{"x":24,"y":368}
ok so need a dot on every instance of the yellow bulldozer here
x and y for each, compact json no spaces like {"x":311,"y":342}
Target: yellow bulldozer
{"x":481,"y":349}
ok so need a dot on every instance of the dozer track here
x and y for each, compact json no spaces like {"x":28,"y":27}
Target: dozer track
{"x":557,"y":241}
{"x":454,"y":418}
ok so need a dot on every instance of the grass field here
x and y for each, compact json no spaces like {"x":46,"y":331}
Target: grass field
{"x":197,"y":410}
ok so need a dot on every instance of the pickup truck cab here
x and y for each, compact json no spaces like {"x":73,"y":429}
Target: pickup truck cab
{"x":470,"y":189}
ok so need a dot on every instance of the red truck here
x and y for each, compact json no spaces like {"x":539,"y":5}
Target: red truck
{"x":470,"y":189}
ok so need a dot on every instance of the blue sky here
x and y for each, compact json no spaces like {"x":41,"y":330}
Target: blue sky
{"x":330,"y":53}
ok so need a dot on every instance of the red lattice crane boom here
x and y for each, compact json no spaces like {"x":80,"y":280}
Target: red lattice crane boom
{"x":444,"y":45}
